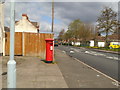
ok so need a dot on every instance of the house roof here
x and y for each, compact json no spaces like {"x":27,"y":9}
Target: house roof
{"x":7,"y":29}
{"x":114,"y":37}
{"x":33,"y":23}
{"x":100,"y":38}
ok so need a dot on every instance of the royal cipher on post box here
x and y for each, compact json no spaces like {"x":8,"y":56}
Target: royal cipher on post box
{"x":49,"y":50}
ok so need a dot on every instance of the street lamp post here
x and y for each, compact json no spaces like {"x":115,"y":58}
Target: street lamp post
{"x":11,"y":78}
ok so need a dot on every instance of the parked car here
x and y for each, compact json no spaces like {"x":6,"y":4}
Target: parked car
{"x":114,"y":45}
{"x":56,"y":43}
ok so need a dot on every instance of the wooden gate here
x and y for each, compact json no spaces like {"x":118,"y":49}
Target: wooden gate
{"x":28,"y":44}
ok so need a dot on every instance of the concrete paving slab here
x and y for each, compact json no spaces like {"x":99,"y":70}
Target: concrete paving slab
{"x":39,"y":84}
{"x":34,"y":73}
{"x":57,"y":84}
{"x":0,"y":72}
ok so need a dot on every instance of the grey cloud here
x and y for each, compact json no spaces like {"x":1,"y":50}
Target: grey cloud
{"x":85,"y":11}
{"x":64,"y":11}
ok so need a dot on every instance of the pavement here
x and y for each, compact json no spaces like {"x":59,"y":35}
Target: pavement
{"x":0,"y":72}
{"x":65,"y":73}
{"x":35,"y":73}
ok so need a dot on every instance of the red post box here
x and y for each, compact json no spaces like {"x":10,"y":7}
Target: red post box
{"x":49,"y":50}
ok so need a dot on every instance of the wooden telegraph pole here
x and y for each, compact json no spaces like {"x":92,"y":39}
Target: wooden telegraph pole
{"x":53,"y":26}
{"x":52,"y":15}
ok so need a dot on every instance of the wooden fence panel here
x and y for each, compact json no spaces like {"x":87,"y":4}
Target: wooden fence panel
{"x":7,"y":43}
{"x":35,"y":45}
{"x":29,"y":44}
{"x":18,"y":43}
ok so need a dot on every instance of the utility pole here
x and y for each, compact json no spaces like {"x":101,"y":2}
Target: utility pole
{"x":52,"y":15}
{"x":53,"y":25}
{"x":11,"y":78}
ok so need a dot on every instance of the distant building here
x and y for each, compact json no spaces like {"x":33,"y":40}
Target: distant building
{"x":1,"y":26}
{"x":25,"y":25}
{"x":101,"y":40}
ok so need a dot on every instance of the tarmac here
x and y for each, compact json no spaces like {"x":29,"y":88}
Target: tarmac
{"x":0,"y":72}
{"x":77,"y":74}
{"x":35,"y":73}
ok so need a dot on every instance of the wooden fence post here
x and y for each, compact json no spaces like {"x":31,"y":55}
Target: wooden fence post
{"x":23,"y":45}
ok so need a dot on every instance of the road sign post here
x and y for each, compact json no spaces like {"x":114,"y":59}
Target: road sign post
{"x":11,"y":78}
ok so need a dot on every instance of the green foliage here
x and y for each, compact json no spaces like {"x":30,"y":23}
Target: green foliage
{"x":77,"y":30}
{"x":67,"y":44}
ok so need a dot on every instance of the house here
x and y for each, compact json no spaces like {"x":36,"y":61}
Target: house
{"x":92,"y":43}
{"x":113,"y":38}
{"x":1,"y":27}
{"x":25,"y":25}
{"x":101,"y":40}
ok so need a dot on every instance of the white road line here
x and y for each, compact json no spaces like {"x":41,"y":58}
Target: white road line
{"x":98,"y":71}
{"x":63,"y":51}
{"x":99,"y":54}
{"x":110,"y":57}
{"x":72,"y":52}
{"x":76,"y":50}
{"x":116,"y":58}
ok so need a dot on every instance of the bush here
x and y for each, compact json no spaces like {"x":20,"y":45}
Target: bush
{"x":66,"y":44}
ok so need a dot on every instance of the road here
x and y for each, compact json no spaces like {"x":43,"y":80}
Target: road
{"x":106,"y":63}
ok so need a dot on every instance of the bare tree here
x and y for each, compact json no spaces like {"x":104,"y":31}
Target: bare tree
{"x":107,"y":22}
{"x":60,"y":37}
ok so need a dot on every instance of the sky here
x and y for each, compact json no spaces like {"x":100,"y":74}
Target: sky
{"x":65,"y":13}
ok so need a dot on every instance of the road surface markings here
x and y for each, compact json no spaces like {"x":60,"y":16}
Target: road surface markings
{"x":63,"y":51}
{"x":99,"y":54}
{"x":116,"y":58}
{"x":72,"y":52}
{"x":76,"y":50}
{"x":94,"y":53}
{"x":115,"y":81}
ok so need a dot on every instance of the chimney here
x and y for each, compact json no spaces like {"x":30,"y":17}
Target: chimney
{"x":24,"y":16}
